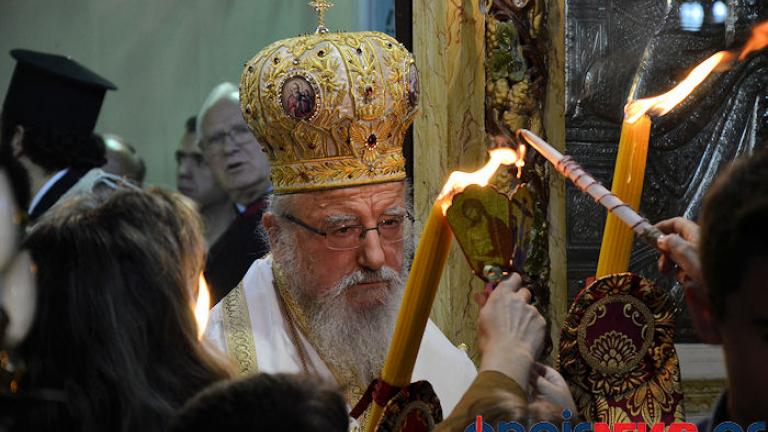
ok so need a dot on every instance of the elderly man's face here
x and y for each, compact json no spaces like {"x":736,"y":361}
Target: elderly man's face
{"x":365,"y":205}
{"x":194,"y":177}
{"x":233,"y":153}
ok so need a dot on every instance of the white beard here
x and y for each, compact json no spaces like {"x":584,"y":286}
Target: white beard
{"x":348,"y":337}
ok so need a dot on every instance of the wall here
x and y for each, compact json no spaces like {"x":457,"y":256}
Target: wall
{"x":164,"y":55}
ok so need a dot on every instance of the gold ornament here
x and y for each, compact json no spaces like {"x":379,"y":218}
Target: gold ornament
{"x":331,"y":109}
{"x":320,"y":6}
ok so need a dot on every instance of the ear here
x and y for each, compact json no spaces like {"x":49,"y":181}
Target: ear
{"x":17,"y":141}
{"x":702,"y":316}
{"x":271,"y":227}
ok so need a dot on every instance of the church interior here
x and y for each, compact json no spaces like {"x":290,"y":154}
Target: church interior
{"x":583,"y":125}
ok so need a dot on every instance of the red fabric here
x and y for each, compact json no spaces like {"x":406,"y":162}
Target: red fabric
{"x":255,"y":207}
{"x":378,"y":391}
{"x":617,"y":352}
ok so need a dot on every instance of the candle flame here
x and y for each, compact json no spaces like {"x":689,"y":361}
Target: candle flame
{"x":459,"y":180}
{"x":757,"y":41}
{"x":202,"y":306}
{"x":662,"y":104}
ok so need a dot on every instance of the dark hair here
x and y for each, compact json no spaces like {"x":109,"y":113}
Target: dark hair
{"x":115,"y":328}
{"x":191,"y":125}
{"x":54,"y":149}
{"x":734,"y":228}
{"x":265,"y":402}
{"x":16,"y":173}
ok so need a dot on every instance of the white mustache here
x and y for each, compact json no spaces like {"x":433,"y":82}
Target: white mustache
{"x":384,"y":274}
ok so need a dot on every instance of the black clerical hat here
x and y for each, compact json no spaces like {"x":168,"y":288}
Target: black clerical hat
{"x":54,"y":92}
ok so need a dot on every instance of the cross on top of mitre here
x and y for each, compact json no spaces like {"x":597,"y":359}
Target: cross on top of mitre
{"x":320,"y":6}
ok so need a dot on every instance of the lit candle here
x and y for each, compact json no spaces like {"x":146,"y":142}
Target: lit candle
{"x":424,"y":277}
{"x":627,"y":185}
{"x":426,"y":270}
{"x":629,"y":173}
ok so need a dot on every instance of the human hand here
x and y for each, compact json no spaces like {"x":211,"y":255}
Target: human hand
{"x":680,"y":248}
{"x":510,"y":331}
{"x":549,"y":386}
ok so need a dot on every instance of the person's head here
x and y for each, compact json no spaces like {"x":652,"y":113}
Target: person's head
{"x":49,"y":113}
{"x":733,"y":310}
{"x":115,"y":327}
{"x":338,"y":175}
{"x":348,"y":287}
{"x":123,"y":160}
{"x":265,"y":402}
{"x":194,"y":177}
{"x":50,"y":149}
{"x":232,"y":152}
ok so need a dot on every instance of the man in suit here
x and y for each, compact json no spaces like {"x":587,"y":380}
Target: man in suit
{"x":241,"y":168}
{"x":49,"y":114}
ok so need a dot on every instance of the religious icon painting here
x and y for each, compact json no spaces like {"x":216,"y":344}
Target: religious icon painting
{"x":298,"y":98}
{"x":492,"y":229}
{"x":412,"y":87}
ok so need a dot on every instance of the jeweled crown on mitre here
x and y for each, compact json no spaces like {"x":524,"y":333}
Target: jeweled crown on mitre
{"x":331,"y":108}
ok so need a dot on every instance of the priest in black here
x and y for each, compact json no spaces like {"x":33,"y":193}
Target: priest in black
{"x":49,"y":113}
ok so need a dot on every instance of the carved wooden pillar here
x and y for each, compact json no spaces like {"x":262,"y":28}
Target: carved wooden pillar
{"x":554,"y":125}
{"x":448,"y":39}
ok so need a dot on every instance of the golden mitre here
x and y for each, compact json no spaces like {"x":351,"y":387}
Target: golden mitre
{"x":331,"y":108}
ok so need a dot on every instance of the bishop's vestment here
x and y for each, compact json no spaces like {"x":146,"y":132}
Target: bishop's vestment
{"x":249,"y":325}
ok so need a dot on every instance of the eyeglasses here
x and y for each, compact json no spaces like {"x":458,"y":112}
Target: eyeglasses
{"x":215,"y":143}
{"x":345,"y":236}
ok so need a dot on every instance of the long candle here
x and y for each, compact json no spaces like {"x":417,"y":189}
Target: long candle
{"x":419,"y":295}
{"x":628,"y":178}
{"x":566,"y":166}
{"x":425,"y":274}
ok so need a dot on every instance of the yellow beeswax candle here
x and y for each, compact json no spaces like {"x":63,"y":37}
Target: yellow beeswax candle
{"x":419,"y":295}
{"x":628,"y":177}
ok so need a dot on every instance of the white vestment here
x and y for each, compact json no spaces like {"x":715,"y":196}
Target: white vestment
{"x":447,"y":368}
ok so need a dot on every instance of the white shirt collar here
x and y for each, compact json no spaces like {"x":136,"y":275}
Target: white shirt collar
{"x":48,"y":185}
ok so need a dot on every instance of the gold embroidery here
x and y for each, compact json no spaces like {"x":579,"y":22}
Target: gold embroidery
{"x":237,"y":330}
{"x":331,"y":109}
{"x":627,"y":369}
{"x":614,"y":352}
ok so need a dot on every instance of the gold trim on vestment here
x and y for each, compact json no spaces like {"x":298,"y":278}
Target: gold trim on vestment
{"x":238,"y":332}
